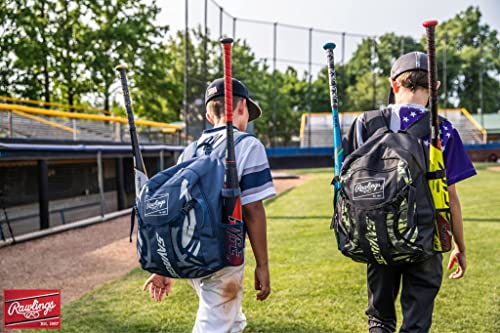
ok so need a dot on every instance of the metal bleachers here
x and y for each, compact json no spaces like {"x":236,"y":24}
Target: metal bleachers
{"x":20,"y":121}
{"x":23,"y":127}
{"x":317,"y":131}
{"x":467,"y":127}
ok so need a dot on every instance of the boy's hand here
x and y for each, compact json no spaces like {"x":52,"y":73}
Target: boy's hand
{"x":262,"y":282}
{"x":160,"y":286}
{"x":459,"y":258}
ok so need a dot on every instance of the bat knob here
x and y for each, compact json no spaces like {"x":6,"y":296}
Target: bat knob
{"x":329,"y":46}
{"x":430,"y":23}
{"x":226,"y":40}
{"x":121,"y":66}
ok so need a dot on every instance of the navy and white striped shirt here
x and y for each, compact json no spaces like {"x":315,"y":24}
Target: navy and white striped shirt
{"x":254,"y":174}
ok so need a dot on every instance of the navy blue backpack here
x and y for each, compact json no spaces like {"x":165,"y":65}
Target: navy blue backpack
{"x":179,"y":211}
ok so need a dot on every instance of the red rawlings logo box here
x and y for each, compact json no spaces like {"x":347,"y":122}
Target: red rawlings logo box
{"x":31,"y":309}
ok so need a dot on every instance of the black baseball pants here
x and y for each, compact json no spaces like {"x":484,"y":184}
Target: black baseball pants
{"x":420,"y":285}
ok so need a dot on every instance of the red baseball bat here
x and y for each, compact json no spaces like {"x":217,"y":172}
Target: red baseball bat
{"x":232,"y":213}
{"x":232,"y":204}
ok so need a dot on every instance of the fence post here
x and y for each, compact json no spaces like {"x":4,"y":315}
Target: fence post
{"x":120,"y":132}
{"x":186,"y":71}
{"x":205,"y":69}
{"x":61,"y":213}
{"x":100,"y":181}
{"x":221,"y":23}
{"x":309,"y":91}
{"x":11,"y":124}
{"x":43,"y":194}
{"x":445,"y":88}
{"x":275,"y":93}
{"x":234,"y":28}
{"x":162,"y":163}
{"x":343,"y":48}
{"x":74,"y":130}
{"x":120,"y":184}
{"x":374,"y":74}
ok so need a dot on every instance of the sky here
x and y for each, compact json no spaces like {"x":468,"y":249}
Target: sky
{"x":363,"y":17}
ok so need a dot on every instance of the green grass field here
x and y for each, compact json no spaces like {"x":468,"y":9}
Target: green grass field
{"x":314,"y":288}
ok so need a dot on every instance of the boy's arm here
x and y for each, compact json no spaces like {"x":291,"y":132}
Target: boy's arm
{"x":254,"y":216}
{"x":458,"y":254}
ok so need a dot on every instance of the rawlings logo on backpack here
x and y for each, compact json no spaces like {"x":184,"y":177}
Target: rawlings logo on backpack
{"x":179,"y":211}
{"x":385,"y":212}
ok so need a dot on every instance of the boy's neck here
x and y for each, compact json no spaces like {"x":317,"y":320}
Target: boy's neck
{"x":406,"y":96}
{"x":222,"y":122}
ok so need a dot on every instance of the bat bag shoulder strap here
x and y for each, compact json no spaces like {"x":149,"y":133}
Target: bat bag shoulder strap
{"x":370,"y":123}
{"x":220,"y":149}
{"x":208,"y":146}
{"x":375,"y":121}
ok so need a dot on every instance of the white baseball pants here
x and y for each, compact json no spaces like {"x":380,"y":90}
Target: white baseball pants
{"x":220,"y":297}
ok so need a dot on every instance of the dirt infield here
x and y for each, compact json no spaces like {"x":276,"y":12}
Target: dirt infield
{"x":77,"y":261}
{"x":494,"y":168}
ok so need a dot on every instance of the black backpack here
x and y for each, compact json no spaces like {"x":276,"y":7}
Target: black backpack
{"x":384,"y":212}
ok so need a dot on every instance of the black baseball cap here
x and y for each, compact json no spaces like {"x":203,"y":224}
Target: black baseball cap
{"x":412,"y":61}
{"x":216,"y":89}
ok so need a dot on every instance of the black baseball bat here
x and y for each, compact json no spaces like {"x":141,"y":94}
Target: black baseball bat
{"x":141,"y":174}
{"x":337,"y":135}
{"x":437,"y":171}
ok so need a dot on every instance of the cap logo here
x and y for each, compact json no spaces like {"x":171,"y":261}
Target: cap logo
{"x":417,"y":64}
{"x":212,"y":91}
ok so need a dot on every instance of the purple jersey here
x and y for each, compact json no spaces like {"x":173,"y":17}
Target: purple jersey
{"x":457,"y":163}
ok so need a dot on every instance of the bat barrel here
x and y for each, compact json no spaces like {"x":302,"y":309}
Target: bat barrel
{"x":136,"y":151}
{"x":228,"y":85}
{"x":231,"y":172}
{"x":332,"y":76}
{"x":432,"y":75}
{"x":337,"y":139}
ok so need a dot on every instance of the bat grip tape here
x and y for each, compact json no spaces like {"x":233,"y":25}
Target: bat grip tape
{"x":436,"y":174}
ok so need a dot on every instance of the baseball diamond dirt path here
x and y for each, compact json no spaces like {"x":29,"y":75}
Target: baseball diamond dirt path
{"x":77,"y":261}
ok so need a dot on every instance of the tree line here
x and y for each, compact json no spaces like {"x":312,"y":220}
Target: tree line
{"x":66,"y":51}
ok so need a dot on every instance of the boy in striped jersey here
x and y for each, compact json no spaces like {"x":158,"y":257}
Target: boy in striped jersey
{"x":221,"y":293}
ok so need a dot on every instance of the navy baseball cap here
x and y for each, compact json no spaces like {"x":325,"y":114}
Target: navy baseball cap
{"x":216,"y":89}
{"x":413,"y":61}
